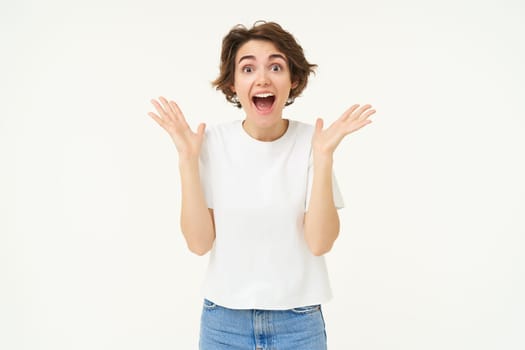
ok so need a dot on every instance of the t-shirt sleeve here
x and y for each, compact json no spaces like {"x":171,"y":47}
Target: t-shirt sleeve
{"x":338,"y":198}
{"x":205,"y":172}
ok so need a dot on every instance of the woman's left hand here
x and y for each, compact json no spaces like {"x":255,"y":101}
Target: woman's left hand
{"x":326,"y":141}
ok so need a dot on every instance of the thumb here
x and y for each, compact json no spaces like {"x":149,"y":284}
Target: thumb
{"x":319,"y":125}
{"x":201,"y":128}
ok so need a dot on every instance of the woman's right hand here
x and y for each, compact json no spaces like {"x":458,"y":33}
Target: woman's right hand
{"x":172,"y":120}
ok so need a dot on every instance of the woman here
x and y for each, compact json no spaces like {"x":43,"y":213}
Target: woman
{"x":260,"y":195}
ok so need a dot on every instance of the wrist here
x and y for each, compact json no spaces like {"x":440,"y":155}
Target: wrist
{"x":188,"y":162}
{"x":323,"y":158}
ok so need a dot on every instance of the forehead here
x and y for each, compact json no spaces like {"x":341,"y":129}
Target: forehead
{"x":258,"y":50}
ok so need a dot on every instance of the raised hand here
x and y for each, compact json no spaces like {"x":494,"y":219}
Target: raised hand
{"x":325,"y":142}
{"x":171,"y":119}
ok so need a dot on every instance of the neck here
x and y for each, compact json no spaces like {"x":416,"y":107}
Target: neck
{"x":271,"y":133}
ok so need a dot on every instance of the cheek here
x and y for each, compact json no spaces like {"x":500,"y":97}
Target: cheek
{"x":241,"y":86}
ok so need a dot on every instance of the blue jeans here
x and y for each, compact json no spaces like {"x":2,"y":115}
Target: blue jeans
{"x":300,"y":328}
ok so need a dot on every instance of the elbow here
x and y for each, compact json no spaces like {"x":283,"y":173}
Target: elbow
{"x":199,"y":249}
{"x":320,"y":250}
{"x":199,"y":240}
{"x":199,"y":244}
{"x":320,"y":233}
{"x":199,"y":252}
{"x":320,"y":244}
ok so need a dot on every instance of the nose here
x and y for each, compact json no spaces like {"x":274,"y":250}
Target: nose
{"x":262,"y":78}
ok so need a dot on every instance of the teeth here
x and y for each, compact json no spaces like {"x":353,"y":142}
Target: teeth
{"x":264,"y":95}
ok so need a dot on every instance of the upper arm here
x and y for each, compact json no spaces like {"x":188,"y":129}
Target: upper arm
{"x":212,"y":216}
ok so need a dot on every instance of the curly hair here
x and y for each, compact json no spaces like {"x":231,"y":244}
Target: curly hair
{"x":299,"y":67}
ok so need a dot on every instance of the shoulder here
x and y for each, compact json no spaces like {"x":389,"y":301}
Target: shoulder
{"x":302,"y":127}
{"x":302,"y":130}
{"x":221,"y":130}
{"x":223,"y":127}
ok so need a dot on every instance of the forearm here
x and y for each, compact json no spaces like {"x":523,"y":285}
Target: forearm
{"x":196,"y":219}
{"x":321,"y":223}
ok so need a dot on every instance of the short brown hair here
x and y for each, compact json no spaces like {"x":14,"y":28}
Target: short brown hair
{"x":299,"y":67}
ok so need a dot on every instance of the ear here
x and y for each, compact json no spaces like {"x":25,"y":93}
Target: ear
{"x":232,"y":88}
{"x":295,"y":84}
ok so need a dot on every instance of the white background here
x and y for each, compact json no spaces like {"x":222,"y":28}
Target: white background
{"x":431,"y":252}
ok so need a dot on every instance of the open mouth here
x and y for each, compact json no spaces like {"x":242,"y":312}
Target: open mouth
{"x":264,"y":102}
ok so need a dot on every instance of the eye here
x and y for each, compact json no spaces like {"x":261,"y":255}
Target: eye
{"x":247,"y":69}
{"x":275,"y":67}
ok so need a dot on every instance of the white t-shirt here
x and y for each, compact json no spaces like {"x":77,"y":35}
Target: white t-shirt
{"x":259,"y":192}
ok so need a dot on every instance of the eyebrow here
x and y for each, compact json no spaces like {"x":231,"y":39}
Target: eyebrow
{"x":252,"y":57}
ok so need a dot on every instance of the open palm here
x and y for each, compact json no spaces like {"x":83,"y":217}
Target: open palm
{"x":171,"y":119}
{"x":326,"y":141}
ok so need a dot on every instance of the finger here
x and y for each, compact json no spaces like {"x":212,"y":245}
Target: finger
{"x":367,"y":114}
{"x":359,"y":113}
{"x":366,"y":122}
{"x":160,"y":109}
{"x":349,"y":112}
{"x":156,"y":118}
{"x":319,"y":125}
{"x":200,"y":129}
{"x":159,"y":120}
{"x":167,"y":106}
{"x":179,"y":116}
